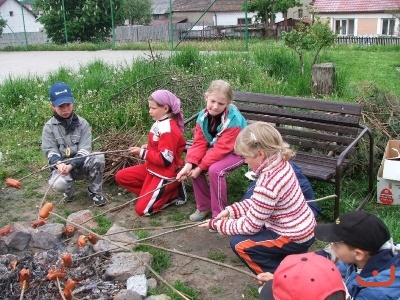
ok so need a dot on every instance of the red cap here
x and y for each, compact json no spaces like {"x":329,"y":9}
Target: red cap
{"x":306,"y":276}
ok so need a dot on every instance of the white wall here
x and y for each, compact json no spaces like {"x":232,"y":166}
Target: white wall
{"x":230,"y":18}
{"x":16,"y":22}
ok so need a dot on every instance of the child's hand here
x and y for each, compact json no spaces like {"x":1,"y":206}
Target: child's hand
{"x":181,"y":176}
{"x":264,"y":277}
{"x":144,"y":146}
{"x":205,"y":224}
{"x":195,"y":172}
{"x":63,"y":169}
{"x":134,"y":150}
{"x":223,"y":215}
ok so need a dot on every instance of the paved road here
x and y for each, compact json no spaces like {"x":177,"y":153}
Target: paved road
{"x":23,"y":64}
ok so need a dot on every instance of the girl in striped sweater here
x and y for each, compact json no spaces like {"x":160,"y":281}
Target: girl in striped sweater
{"x":276,"y":220}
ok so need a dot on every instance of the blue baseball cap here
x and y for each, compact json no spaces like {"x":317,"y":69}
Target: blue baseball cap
{"x":61,"y":93}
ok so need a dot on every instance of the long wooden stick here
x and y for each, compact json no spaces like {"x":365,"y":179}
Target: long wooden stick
{"x":200,"y":258}
{"x":152,"y":228}
{"x":68,"y":160}
{"x":321,"y":199}
{"x":126,"y":203}
{"x":23,"y":290}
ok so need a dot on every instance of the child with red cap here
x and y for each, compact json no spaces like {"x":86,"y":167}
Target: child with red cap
{"x":368,"y":259}
{"x":153,"y":181}
{"x":306,"y":276}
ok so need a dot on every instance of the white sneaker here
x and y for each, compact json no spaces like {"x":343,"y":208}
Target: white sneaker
{"x":199,"y":215}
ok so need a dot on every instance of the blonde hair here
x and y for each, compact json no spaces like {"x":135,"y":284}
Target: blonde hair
{"x":220,"y":87}
{"x":262,"y":136}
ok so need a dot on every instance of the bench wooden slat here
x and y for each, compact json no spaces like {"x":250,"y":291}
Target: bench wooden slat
{"x":317,"y":166}
{"x":301,"y":123}
{"x":308,"y":103}
{"x":334,"y":138}
{"x":282,"y":112}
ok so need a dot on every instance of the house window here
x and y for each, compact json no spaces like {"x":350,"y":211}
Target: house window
{"x":388,"y":26}
{"x":344,"y":27}
{"x":11,"y":13}
{"x":300,"y":12}
{"x":242,"y":21}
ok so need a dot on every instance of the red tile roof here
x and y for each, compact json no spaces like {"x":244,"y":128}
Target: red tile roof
{"x":345,"y":6}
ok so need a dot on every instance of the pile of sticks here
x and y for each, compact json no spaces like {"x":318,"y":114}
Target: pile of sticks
{"x":118,"y":161}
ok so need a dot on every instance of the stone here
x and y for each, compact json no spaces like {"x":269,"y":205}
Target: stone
{"x":80,"y":217}
{"x":3,"y":247}
{"x":126,"y":264}
{"x":137,"y":283}
{"x":19,"y":240}
{"x":127,"y":295}
{"x":46,"y":237}
{"x":123,"y":239}
{"x":152,"y":283}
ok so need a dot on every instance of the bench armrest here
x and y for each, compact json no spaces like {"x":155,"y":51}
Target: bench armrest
{"x":342,"y":156}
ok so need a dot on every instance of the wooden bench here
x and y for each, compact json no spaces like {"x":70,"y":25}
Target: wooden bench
{"x":324,"y":134}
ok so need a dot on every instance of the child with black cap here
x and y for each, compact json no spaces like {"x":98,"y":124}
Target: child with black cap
{"x":67,"y":135}
{"x":367,"y":257}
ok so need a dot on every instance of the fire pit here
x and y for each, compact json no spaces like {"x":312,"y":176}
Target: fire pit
{"x":54,"y":261}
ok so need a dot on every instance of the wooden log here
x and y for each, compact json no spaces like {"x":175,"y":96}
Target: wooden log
{"x":323,"y":78}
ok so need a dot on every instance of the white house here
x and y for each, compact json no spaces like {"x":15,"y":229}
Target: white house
{"x":220,"y":13}
{"x":360,"y":17}
{"x":16,"y":15}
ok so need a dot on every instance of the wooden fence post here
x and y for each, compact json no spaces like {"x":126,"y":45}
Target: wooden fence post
{"x":323,"y":78}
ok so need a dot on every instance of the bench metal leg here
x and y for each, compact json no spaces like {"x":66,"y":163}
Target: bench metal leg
{"x":370,"y":171}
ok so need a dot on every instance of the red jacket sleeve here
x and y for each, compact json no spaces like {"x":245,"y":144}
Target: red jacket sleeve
{"x":199,"y":147}
{"x":203,"y":156}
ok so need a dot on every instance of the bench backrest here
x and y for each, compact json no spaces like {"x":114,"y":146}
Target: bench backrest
{"x":312,"y":125}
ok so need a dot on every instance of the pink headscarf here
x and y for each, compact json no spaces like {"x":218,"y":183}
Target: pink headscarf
{"x":164,"y":97}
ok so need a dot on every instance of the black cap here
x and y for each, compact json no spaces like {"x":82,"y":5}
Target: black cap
{"x":359,"y":229}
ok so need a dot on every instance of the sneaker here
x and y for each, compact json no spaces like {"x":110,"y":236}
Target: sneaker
{"x":199,"y":215}
{"x":67,"y":198}
{"x":98,"y":199}
{"x":212,"y":230}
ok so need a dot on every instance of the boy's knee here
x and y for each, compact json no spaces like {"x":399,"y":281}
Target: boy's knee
{"x":60,"y":184}
{"x":100,"y":158}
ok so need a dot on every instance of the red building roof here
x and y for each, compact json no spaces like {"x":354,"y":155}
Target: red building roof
{"x":359,"y":6}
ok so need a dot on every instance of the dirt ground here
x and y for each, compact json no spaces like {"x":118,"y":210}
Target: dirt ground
{"x":211,"y":281}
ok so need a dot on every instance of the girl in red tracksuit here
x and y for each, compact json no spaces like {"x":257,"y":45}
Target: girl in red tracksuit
{"x":162,"y":156}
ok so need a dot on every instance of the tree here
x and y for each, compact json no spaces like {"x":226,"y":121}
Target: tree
{"x":307,"y":38}
{"x":85,"y":20}
{"x":2,"y":25}
{"x":266,"y":9}
{"x":136,"y":11}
